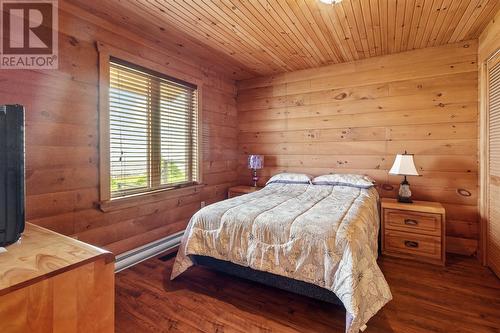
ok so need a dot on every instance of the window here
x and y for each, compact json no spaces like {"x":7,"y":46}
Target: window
{"x":153,"y":131}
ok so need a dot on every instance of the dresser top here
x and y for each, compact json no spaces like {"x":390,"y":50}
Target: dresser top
{"x":416,"y":206}
{"x":40,"y":254}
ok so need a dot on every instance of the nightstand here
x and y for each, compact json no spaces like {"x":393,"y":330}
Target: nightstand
{"x":414,"y":231}
{"x":240,"y":190}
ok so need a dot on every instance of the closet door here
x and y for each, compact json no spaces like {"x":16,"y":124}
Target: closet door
{"x":493,"y":106}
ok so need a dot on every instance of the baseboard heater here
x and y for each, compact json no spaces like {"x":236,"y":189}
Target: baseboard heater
{"x":137,"y":255}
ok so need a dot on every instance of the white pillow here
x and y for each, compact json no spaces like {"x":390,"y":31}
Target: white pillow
{"x":290,"y":178}
{"x":341,"y":179}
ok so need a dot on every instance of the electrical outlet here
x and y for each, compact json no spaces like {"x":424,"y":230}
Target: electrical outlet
{"x":202,"y":204}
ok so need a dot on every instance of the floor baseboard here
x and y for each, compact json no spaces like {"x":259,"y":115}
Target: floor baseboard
{"x":137,"y":255}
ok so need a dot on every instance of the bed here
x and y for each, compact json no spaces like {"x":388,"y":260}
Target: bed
{"x":323,"y":235}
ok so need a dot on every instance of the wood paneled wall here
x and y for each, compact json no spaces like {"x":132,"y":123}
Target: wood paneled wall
{"x":354,"y":117}
{"x":62,"y":137}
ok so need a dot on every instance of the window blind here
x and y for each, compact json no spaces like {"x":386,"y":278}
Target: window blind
{"x":153,"y":130}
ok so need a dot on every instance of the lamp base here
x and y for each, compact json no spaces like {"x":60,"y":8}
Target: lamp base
{"x":404,"y":194}
{"x":404,"y":199}
{"x":255,"y":178}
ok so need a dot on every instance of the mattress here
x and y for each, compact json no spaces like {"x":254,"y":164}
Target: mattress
{"x":325,"y":235}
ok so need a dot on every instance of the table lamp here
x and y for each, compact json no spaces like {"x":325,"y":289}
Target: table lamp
{"x":404,"y":166}
{"x":255,"y":162}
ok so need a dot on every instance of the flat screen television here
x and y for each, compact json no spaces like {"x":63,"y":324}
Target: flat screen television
{"x":12,"y":188}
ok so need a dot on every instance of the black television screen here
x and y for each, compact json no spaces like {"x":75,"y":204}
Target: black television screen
{"x":12,"y":197}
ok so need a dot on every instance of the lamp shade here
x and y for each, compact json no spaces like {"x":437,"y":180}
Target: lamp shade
{"x":404,"y":165}
{"x":255,"y":162}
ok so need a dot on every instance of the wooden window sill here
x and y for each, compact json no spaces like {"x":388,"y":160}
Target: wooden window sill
{"x":149,"y":197}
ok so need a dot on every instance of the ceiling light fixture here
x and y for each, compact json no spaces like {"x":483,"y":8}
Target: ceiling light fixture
{"x":330,"y":2}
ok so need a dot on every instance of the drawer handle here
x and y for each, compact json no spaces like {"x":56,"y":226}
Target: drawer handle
{"x":411,"y":222}
{"x":411,"y":244}
{"x":463,"y":192}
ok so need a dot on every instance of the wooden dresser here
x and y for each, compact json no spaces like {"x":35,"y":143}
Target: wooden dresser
{"x":53,"y":283}
{"x":414,"y":231}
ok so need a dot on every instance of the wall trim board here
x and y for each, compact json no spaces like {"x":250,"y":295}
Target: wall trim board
{"x":147,"y":251}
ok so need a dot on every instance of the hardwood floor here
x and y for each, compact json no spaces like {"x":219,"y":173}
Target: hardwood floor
{"x":461,"y":297}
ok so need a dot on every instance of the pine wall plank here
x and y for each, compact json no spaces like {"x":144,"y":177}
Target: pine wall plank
{"x":354,"y":117}
{"x":62,"y":177}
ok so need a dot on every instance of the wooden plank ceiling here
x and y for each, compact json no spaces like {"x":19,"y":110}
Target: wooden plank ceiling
{"x":262,"y":37}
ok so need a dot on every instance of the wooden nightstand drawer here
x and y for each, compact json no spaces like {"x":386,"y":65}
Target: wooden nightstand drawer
{"x":412,"y":244}
{"x":414,"y":222}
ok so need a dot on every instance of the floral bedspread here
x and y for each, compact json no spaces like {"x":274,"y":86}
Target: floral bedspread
{"x":322,"y":234}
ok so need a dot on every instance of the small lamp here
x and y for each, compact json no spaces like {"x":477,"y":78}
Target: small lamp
{"x":255,"y":162}
{"x":404,"y":166}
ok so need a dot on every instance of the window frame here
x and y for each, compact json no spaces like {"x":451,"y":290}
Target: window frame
{"x":106,"y":53}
